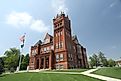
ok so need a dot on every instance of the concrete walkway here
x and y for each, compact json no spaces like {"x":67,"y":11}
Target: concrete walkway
{"x":88,"y":73}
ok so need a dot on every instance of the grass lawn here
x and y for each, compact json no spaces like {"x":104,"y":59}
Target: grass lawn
{"x":70,"y":70}
{"x":114,"y":72}
{"x":45,"y":77}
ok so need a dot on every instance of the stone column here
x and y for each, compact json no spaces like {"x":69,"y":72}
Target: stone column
{"x":39,"y":63}
{"x":50,"y":62}
{"x":35,"y":63}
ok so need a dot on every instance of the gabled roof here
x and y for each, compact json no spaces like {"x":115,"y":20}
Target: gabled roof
{"x":74,"y":38}
{"x":38,"y":43}
{"x":48,"y":36}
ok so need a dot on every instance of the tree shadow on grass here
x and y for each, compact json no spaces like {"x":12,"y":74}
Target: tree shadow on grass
{"x":3,"y":75}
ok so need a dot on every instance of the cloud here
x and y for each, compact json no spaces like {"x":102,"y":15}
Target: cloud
{"x":39,"y":25}
{"x":24,"y":19}
{"x":113,"y":3}
{"x":113,"y":47}
{"x":18,"y":19}
{"x":59,"y":5}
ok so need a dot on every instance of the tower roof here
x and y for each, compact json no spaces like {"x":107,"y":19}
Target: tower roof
{"x":62,"y":14}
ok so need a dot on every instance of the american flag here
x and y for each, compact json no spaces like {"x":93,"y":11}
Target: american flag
{"x":22,"y":39}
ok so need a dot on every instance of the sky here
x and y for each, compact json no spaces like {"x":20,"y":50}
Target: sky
{"x":97,"y":23}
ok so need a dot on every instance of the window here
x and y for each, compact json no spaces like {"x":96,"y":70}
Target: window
{"x":56,"y":45}
{"x":46,"y":41}
{"x":57,"y":66}
{"x":61,"y":57}
{"x":47,"y":48}
{"x":61,"y":67}
{"x":69,"y":55}
{"x":57,"y":57}
{"x":61,"y":33}
{"x":61,"y":44}
{"x":34,"y":52}
{"x":60,"y":23}
{"x":58,"y":33}
{"x":44,"y":49}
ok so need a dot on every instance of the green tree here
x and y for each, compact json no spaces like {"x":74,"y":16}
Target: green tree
{"x":102,"y":59}
{"x":111,"y":63}
{"x":94,"y":60}
{"x":11,"y":58}
{"x":25,"y":62}
{"x":91,"y":62}
{"x":1,"y":66}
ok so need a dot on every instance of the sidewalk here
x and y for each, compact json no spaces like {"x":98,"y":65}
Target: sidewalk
{"x":88,"y":73}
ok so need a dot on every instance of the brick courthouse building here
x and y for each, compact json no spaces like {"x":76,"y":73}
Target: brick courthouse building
{"x":61,"y":51}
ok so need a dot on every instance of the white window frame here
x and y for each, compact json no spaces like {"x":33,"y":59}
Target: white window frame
{"x":61,"y":57}
{"x":45,"y":49}
{"x":57,"y":57}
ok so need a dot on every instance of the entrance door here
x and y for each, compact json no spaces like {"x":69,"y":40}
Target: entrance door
{"x":37,"y":65}
{"x":42,"y":63}
{"x":47,"y":62}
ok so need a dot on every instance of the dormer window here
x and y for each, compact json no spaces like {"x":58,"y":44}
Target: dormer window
{"x":46,"y":41}
{"x":34,"y":52}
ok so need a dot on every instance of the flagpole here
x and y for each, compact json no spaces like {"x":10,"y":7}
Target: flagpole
{"x":20,"y":59}
{"x":22,"y":39}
